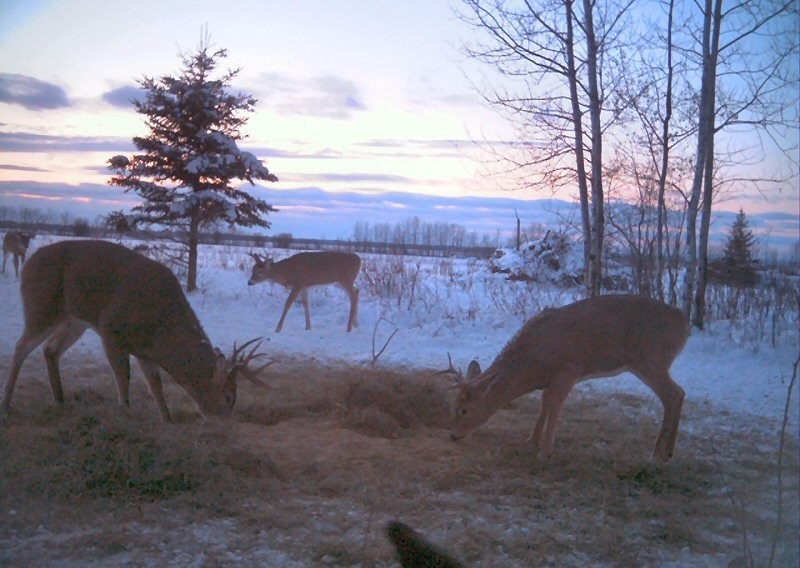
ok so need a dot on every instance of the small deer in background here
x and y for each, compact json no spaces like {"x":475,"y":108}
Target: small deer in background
{"x":16,"y":243}
{"x":137,"y":307}
{"x":306,"y":269}
{"x":597,"y":337}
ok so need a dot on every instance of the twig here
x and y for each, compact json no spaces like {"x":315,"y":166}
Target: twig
{"x":739,"y":510}
{"x":779,"y":514}
{"x":385,"y":345}
{"x":369,"y":492}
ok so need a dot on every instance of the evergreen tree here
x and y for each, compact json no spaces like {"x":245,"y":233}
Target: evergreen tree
{"x":738,"y":257}
{"x":187,"y":162}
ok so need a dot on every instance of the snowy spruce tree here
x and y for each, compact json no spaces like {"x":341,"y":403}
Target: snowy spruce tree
{"x":187,"y":164}
{"x":737,"y":259}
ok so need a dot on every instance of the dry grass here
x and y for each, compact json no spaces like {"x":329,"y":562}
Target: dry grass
{"x":311,"y":472}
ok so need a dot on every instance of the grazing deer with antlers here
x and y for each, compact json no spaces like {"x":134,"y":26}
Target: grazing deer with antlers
{"x":597,"y":337}
{"x":16,"y":243}
{"x":137,"y":307}
{"x":306,"y":269}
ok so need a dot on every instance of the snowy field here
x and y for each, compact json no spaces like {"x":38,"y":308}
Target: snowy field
{"x":436,"y":307}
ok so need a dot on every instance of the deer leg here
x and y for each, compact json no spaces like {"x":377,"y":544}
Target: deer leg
{"x":353,"y":319}
{"x":292,"y":297}
{"x":153,"y":377}
{"x":552,"y":400}
{"x":62,"y":339}
{"x":121,"y":365}
{"x":671,"y":396}
{"x":536,"y":435}
{"x":5,"y":256}
{"x":25,"y":345}
{"x":16,"y":266}
{"x":304,"y":297}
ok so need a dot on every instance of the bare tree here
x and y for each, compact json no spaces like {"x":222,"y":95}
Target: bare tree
{"x":633,"y":225}
{"x":559,"y":59}
{"x":660,"y":97}
{"x":744,"y":88}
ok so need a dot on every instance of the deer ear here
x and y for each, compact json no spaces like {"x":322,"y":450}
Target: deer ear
{"x":223,"y":368}
{"x":473,"y":370}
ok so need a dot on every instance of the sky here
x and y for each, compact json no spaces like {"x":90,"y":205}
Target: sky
{"x":355,"y":99}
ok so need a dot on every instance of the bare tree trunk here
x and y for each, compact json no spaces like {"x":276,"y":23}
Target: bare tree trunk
{"x":705,"y":224}
{"x":194,"y":237}
{"x":704,"y":169}
{"x":704,"y":135}
{"x":577,"y":121}
{"x":598,"y":219}
{"x":662,"y":178}
{"x":661,"y":221}
{"x":708,"y":187}
{"x":672,"y":272}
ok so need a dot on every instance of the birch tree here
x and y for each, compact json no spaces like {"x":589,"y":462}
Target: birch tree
{"x":557,"y":58}
{"x":749,"y":61}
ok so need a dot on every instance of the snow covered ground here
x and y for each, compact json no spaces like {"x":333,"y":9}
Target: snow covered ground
{"x":453,"y":306}
{"x":457,"y":307}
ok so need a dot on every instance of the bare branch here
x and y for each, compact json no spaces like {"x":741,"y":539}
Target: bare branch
{"x":386,"y":344}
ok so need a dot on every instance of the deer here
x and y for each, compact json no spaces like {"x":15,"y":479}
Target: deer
{"x":306,"y":269}
{"x":138,"y":308}
{"x":601,"y":336}
{"x":16,"y":243}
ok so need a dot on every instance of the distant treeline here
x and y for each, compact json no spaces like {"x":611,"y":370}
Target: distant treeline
{"x":416,"y":231}
{"x":82,"y":228}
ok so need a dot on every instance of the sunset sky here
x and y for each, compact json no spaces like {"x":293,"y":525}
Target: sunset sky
{"x":356,"y":98}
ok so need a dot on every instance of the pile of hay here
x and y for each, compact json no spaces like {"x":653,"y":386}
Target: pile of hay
{"x":390,"y":405}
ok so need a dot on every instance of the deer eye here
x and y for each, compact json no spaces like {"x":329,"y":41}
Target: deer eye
{"x":463,"y":411}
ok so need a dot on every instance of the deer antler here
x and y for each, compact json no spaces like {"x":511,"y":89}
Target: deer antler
{"x":240,"y":361}
{"x":457,"y":373}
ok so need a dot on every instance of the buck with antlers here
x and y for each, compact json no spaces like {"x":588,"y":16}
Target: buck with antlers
{"x":137,"y":307}
{"x":597,"y":337}
{"x":16,"y":243}
{"x":306,"y":269}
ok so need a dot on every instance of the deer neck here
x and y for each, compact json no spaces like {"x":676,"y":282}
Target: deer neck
{"x":189,"y":358}
{"x":277,"y":273}
{"x":500,"y":385}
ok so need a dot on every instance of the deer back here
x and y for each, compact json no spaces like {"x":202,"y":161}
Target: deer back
{"x":595,"y":337}
{"x":137,"y":301}
{"x":312,"y":269}
{"x":16,"y":242}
